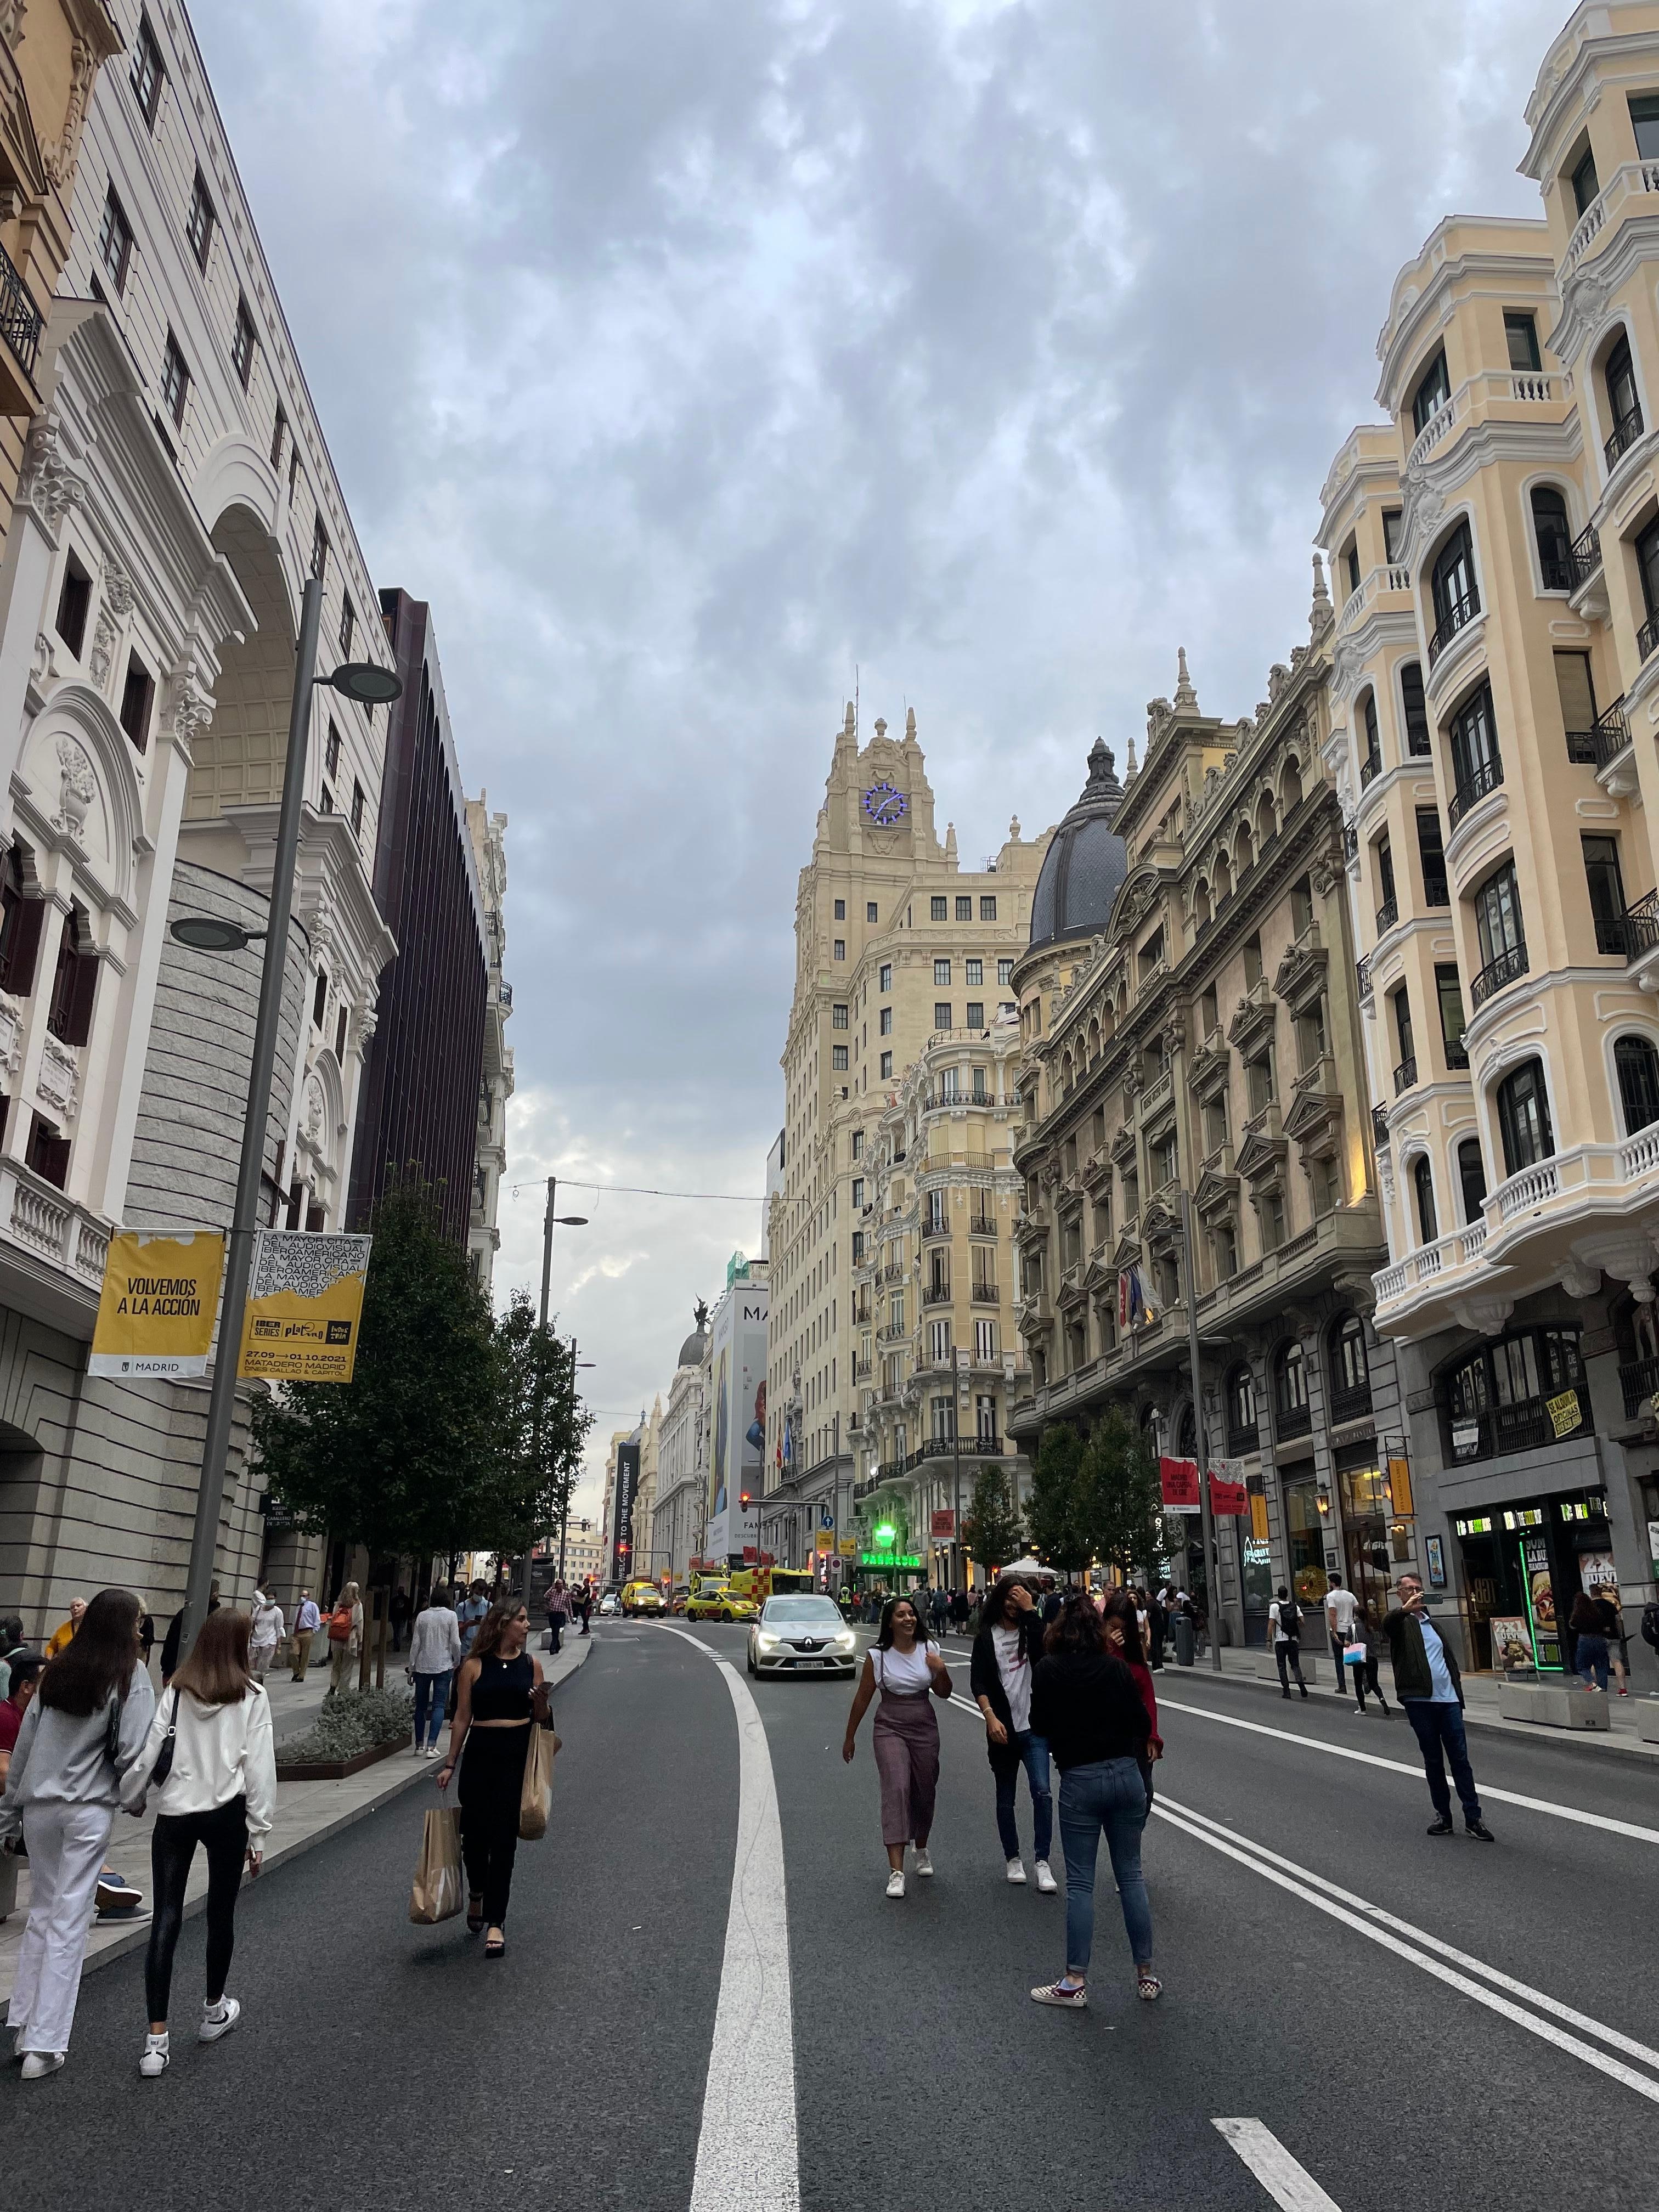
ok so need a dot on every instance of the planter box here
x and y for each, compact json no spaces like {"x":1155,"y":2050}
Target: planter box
{"x":1647,"y":1718}
{"x":1554,"y":1705}
{"x":336,"y":1770}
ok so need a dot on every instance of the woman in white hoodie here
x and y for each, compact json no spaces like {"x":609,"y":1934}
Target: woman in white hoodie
{"x":210,"y":1752}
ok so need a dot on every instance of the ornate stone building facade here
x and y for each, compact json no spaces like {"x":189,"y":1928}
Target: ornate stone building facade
{"x":488,"y":834}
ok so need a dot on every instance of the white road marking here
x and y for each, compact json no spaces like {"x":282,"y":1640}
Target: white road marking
{"x":1291,"y":2187}
{"x":748,"y":2152}
{"x":1608,"y":1826}
{"x":1644,"y":2084}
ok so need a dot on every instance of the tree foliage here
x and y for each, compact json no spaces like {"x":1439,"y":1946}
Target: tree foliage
{"x":1055,"y":1517}
{"x":1120,"y":1501}
{"x":545,"y":1425}
{"x":991,"y":1529}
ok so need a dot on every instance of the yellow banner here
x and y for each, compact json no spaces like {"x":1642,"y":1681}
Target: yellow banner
{"x":1564,"y":1412}
{"x":849,"y":1547}
{"x":304,"y":1306}
{"x":826,"y":1541}
{"x":160,"y":1300}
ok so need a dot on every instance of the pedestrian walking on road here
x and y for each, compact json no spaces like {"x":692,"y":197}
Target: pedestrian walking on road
{"x":909,"y":1670}
{"x":434,"y":1653}
{"x":1086,"y":1703}
{"x":469,"y":1612}
{"x":937,"y":1608}
{"x":1285,"y":1615}
{"x":345,"y":1637}
{"x":585,"y":1605}
{"x":85,"y":1726}
{"x":11,"y":1644}
{"x":959,"y":1610}
{"x":557,"y":1612}
{"x":1157,"y":1627}
{"x":1590,"y":1656}
{"x":1611,"y":1615}
{"x":1427,"y":1683}
{"x":210,"y":1753}
{"x":401,"y":1610}
{"x":1005,"y":1656}
{"x":1340,"y":1606}
{"x":268,"y":1633}
{"x":1117,"y":1616}
{"x":1366,"y":1676}
{"x":499,"y":1692}
{"x":308,"y":1620}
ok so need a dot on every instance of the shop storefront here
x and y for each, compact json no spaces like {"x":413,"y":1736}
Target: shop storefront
{"x":1304,"y":1538}
{"x":1524,"y":1565}
{"x":1376,"y":1526}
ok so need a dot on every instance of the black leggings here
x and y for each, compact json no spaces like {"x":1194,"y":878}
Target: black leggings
{"x":171,"y":1848}
{"x":492,"y":1782}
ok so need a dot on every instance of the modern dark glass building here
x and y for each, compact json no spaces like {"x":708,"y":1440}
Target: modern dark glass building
{"x":418,"y":1103}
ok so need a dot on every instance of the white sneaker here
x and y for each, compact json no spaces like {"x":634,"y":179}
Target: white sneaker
{"x":218,"y":2020}
{"x":924,"y":1864}
{"x":157,"y":2056}
{"x":1046,"y":1882}
{"x":896,"y":1884}
{"x":1017,"y":1872}
{"x":39,"y":2064}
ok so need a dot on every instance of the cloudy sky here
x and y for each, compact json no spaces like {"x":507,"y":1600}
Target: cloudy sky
{"x":686,"y":353}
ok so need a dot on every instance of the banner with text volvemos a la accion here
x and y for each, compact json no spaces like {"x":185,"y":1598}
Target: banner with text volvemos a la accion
{"x":304,"y":1306}
{"x":160,"y":1300}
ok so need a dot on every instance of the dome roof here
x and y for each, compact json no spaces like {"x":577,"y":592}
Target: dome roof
{"x":1087,"y":863}
{"x":696,"y":1347}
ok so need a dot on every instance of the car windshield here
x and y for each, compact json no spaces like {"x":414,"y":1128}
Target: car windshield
{"x":801,"y":1608}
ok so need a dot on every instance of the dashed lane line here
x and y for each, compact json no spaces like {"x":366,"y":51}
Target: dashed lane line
{"x":747,"y":2149}
{"x":1291,"y":2186}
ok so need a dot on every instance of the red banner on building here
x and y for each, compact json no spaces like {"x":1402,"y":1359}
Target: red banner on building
{"x":1227,"y":1498}
{"x":1179,"y":1478}
{"x":942,"y":1523}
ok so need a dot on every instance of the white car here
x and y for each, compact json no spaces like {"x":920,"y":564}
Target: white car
{"x":802,"y":1635}
{"x":610,"y":1604}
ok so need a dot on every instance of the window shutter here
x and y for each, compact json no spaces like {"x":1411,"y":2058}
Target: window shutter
{"x":24,"y":952}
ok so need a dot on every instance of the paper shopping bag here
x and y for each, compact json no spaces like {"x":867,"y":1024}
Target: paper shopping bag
{"x":536,"y":1793}
{"x":437,"y":1893}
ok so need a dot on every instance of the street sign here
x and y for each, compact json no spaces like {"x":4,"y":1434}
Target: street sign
{"x":160,"y":1299}
{"x":848,"y":1546}
{"x":942,"y":1524}
{"x":304,"y":1306}
{"x":826,"y":1516}
{"x":826,"y":1541}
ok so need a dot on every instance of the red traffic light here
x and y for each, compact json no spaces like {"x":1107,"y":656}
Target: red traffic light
{"x":743,"y":1498}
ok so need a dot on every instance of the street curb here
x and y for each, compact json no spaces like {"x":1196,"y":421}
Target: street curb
{"x":139,"y":1934}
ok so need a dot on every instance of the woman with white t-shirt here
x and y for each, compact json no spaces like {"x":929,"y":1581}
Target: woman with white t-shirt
{"x":908,"y":1671}
{"x":1006,"y":1652}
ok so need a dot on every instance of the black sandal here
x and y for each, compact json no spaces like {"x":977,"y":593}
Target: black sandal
{"x":495,"y":1947}
{"x":475,"y":1919}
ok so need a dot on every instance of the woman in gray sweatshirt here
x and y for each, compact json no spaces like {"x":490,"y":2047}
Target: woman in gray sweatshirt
{"x":84,"y":1728}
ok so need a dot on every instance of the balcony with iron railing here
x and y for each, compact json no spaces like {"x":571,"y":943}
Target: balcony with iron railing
{"x":1584,"y":557}
{"x":1292,"y":1421}
{"x":1350,"y":840}
{"x":936,"y":1294}
{"x":1362,"y":975}
{"x":985,"y":1291}
{"x":1379,"y":1125}
{"x":1607,"y":738}
{"x":1507,"y":967}
{"x":1638,"y":1379}
{"x":1457,"y":1053}
{"x":1387,"y":914}
{"x":1647,"y":638}
{"x":1405,"y":1076}
{"x":1369,"y":768}
{"x":21,"y":325}
{"x":1484,"y":777}
{"x":1349,"y":1401}
{"x":933,"y":1228}
{"x":1437,"y":890}
{"x":1624,"y":434}
{"x":1242,"y":1440}
{"x":1528,"y":1424}
{"x":981,"y":1225}
{"x":1457,"y":615}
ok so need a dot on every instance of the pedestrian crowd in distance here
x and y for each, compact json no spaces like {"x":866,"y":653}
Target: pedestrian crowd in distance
{"x":1065,"y":1680}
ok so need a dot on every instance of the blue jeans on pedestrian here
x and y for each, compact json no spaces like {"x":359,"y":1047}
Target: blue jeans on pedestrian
{"x":1033,"y":1751}
{"x":431,"y":1691}
{"x":1112,"y":1796}
{"x":1590,"y":1657}
{"x":1439,"y":1727}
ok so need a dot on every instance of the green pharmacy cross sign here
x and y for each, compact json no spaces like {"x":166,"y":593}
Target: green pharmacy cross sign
{"x":890,"y":1559}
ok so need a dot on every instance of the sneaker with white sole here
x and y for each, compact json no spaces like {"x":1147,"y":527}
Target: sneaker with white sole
{"x":1072,"y":1997}
{"x":1046,"y":1883}
{"x":156,"y":2059}
{"x":39,"y":2064}
{"x":924,"y":1864}
{"x":1017,"y":1872}
{"x":896,"y":1884}
{"x":218,"y":2020}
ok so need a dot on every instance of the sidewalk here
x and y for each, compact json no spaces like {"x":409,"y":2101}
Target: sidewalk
{"x":307,"y":1813}
{"x":1481,"y":1693}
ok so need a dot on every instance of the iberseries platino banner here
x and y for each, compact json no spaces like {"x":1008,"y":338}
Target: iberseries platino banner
{"x":305,"y":1306}
{"x":160,"y":1300}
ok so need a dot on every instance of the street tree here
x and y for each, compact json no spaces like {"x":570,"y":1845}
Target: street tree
{"x":1056,"y":1520}
{"x":545,"y":1426}
{"x":991,"y":1529}
{"x":1119,"y":1498}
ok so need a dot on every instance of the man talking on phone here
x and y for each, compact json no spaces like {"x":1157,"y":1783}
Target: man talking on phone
{"x":1427,"y":1683}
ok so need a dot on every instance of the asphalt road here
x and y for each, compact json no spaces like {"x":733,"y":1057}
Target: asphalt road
{"x":388,"y":2065}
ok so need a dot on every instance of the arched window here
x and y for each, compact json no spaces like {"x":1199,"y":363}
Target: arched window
{"x":1291,"y":1415}
{"x":1432,"y":393}
{"x":1638,"y":1066}
{"x":1267,"y":826}
{"x":1416,"y":709}
{"x":1554,"y":536}
{"x":1223,"y":879}
{"x":1423,"y":1182}
{"x":1371,"y":765}
{"x":1243,"y":852}
{"x":1290,"y":788}
{"x":1240,"y":1410}
{"x":1350,"y":1374}
{"x":1471,"y":1175}
{"x":1201,"y":904}
{"x":1523,"y":1118}
{"x":1456,"y":596}
{"x":1624,"y":406}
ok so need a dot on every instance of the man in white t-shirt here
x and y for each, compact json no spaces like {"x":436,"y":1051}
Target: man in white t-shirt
{"x":1341,"y":1607}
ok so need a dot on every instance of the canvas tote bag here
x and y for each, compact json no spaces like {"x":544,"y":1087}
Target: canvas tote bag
{"x":437,"y":1894}
{"x":536,"y":1794}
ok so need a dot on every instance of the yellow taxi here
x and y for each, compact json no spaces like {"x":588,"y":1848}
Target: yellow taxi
{"x":639,"y":1598}
{"x":714,"y":1600}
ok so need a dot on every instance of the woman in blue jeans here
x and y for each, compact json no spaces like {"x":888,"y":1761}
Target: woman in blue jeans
{"x":435,"y":1652}
{"x":1084,"y":1702}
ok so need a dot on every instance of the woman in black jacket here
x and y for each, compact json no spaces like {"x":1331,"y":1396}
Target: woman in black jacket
{"x":1086,"y":1703}
{"x":1004,"y":1658}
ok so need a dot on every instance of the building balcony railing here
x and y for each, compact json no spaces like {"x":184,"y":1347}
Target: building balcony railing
{"x":1638,"y":1379}
{"x":1625,"y":433}
{"x":1362,"y":973}
{"x":1292,"y":1421}
{"x":1369,"y":768}
{"x":894,"y":1274}
{"x":1350,"y":1401}
{"x":936,"y":1294}
{"x":1243,"y":1440}
{"x":1607,"y":737}
{"x":1508,"y":968}
{"x":981,"y":1225}
{"x":1350,"y":840}
{"x":1526,"y":1426}
{"x":891,"y":1332}
{"x":1457,"y":1053}
{"x":1457,"y":615}
{"x":1583,"y":556}
{"x":985,"y":1294}
{"x":1379,"y":1125}
{"x":1405,"y":1076}
{"x":1487,"y":776}
{"x":1647,"y":638}
{"x":1387,"y":914}
{"x":861,"y":1370}
{"x":933,"y":1230}
{"x":21,"y":323}
{"x":1437,"y":892}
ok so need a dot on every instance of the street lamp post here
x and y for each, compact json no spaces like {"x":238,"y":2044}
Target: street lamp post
{"x":370,"y":685}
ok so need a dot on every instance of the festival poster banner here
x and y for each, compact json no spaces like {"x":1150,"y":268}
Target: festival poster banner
{"x":304,"y":1306}
{"x":1179,"y":1482}
{"x":160,"y":1299}
{"x":1228,"y":1497}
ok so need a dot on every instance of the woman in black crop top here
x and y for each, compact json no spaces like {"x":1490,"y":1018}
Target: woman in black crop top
{"x":498,"y":1694}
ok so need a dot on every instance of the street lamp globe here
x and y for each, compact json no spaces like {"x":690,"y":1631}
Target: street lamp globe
{"x":366,"y":682}
{"x":208,"y":932}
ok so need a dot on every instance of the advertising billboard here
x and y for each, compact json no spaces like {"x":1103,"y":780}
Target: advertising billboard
{"x":622,"y":1525}
{"x":737,"y":1458}
{"x":160,"y":1300}
{"x":304,"y":1306}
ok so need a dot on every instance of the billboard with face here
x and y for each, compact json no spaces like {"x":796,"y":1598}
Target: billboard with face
{"x":738,"y":1452}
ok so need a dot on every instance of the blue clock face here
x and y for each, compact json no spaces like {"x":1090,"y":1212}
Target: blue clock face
{"x":885,"y":806}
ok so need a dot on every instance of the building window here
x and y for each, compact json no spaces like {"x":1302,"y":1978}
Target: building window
{"x":149,"y":73}
{"x":279,"y":432}
{"x":1291,"y":1386}
{"x":973,"y":973}
{"x":319,"y":1000}
{"x":858,"y":1190}
{"x":339,"y":1054}
{"x":1431,"y":856}
{"x":841,"y":911}
{"x":318,"y":549}
{"x":1645,"y":122}
{"x":940,"y":909}
{"x":1472,"y":1177}
{"x":292,"y":471}
{"x":1433,"y":392}
{"x":1623,"y":403}
{"x":115,"y":242}
{"x":885,"y":977}
{"x":1371,"y":765}
{"x":838,"y":1018}
{"x":1585,"y":186}
{"x":1638,"y":1066}
{"x":857,"y":1246}
{"x":1402,"y":1025}
{"x":241,"y":344}
{"x":1554,"y":538}
{"x":325,"y":803}
{"x":1388,"y":912}
{"x":137,"y":696}
{"x":48,"y":1153}
{"x":858,"y":1144}
{"x":870,"y":910}
{"x":74,"y":599}
{"x":1006,"y":973}
{"x":75,"y":983}
{"x":1521,"y":335}
{"x":358,"y":802}
{"x":1449,"y":990}
{"x":1349,"y":1366}
{"x":965,"y":909}
{"x":175,"y":381}
{"x":838,"y":1058}
{"x":942,"y":973}
{"x":985,"y":1341}
{"x":1477,"y":767}
{"x":1241,"y":1409}
{"x":198,"y":227}
{"x":1428,"y":1226}
{"x":942,"y":1014}
{"x":1523,"y":1118}
{"x":1456,"y":596}
{"x":885,"y":1025}
{"x":1416,"y":712}
{"x":1497,"y":921}
{"x":988,"y":909}
{"x":976,"y":1020}
{"x":839,"y":949}
{"x":886,"y":1067}
{"x":1606,"y":893}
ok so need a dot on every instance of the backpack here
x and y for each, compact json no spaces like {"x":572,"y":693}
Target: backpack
{"x":339,"y":1626}
{"x":1650,"y":1624}
{"x":1289,"y":1618}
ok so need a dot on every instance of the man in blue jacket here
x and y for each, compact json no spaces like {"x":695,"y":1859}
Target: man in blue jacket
{"x":1428,"y":1684}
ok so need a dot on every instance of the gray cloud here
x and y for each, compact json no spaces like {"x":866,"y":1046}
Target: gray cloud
{"x":686,"y":352}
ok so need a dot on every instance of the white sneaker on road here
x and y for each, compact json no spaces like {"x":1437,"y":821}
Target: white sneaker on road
{"x":1017,"y":1872}
{"x":1046,"y":1883}
{"x":37,"y":2065}
{"x":218,"y":2020}
{"x":924,"y":1864}
{"x":156,"y":2057}
{"x":896,"y":1884}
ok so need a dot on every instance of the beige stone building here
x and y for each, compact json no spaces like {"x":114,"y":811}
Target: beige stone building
{"x":897,"y":943}
{"x":488,"y":834}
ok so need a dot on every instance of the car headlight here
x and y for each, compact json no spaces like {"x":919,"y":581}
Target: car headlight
{"x":765,"y":1641}
{"x":847,"y":1641}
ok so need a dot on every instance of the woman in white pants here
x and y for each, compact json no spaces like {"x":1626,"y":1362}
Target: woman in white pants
{"x":268,"y":1633}
{"x":84,"y":1728}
